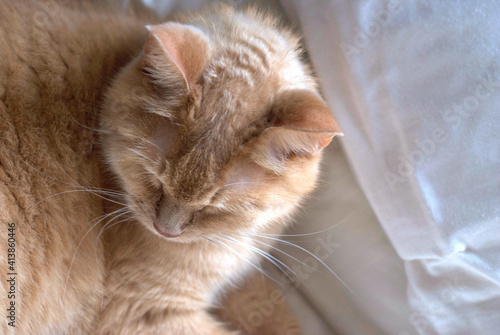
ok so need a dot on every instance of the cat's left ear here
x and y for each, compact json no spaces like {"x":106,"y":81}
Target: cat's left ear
{"x":176,"y":53}
{"x":301,"y":124}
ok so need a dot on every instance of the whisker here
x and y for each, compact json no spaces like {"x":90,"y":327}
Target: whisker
{"x":265,"y":273}
{"x":78,"y":186}
{"x":97,"y":241}
{"x":130,"y":217}
{"x":63,"y":182}
{"x":313,"y":233}
{"x":147,"y":141}
{"x":107,"y":199}
{"x":315,"y":257}
{"x":92,"y":187}
{"x":242,"y":183}
{"x":107,"y":223}
{"x":65,"y":173}
{"x":281,"y":251}
{"x":84,"y":126}
{"x":111,"y":194}
{"x":60,"y":193}
{"x":140,"y":154}
{"x":104,"y":190}
{"x":46,"y":175}
{"x":276,"y":262}
{"x":107,"y":132}
{"x":80,"y":243}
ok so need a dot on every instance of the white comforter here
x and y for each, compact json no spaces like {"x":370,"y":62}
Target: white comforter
{"x":415,"y":86}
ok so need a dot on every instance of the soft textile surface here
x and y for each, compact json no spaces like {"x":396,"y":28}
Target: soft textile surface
{"x":415,"y":86}
{"x":373,"y":299}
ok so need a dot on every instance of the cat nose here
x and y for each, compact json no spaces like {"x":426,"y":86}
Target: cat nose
{"x":170,"y":233}
{"x":171,"y":218}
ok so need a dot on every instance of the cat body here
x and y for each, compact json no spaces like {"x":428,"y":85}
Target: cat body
{"x":198,"y":131}
{"x":54,"y":65}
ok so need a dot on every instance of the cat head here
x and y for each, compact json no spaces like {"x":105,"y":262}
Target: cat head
{"x":216,"y":127}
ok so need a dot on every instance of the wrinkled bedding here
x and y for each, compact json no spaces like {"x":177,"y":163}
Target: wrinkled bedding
{"x":415,"y":85}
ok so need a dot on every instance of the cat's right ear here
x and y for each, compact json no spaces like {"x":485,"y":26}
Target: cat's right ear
{"x":175,"y":55}
{"x":301,"y":124}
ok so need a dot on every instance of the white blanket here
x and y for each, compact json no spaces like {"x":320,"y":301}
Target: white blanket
{"x":415,"y":86}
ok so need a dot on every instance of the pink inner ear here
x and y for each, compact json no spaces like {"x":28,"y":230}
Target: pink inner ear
{"x":302,"y":109}
{"x":303,"y":126}
{"x":277,"y":144}
{"x":186,"y":47}
{"x":171,"y":47}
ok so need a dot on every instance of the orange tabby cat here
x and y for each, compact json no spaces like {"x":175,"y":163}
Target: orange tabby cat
{"x":210,"y":133}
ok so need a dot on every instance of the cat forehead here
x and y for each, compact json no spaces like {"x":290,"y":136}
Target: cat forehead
{"x":248,"y":46}
{"x":254,"y":60}
{"x":242,"y":78}
{"x":212,"y":143}
{"x":249,"y":64}
{"x":197,"y":176}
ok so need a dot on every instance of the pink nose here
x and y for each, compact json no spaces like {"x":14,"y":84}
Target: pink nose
{"x":165,"y":233}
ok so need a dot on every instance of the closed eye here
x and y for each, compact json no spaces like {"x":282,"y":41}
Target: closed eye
{"x":214,"y":209}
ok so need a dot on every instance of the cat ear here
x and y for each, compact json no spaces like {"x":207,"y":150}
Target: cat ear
{"x":176,"y":51}
{"x":301,"y":124}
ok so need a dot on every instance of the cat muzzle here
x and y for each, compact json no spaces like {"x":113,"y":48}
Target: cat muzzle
{"x":170,"y":232}
{"x":172,"y":218}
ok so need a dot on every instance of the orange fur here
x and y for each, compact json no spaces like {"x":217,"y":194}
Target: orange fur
{"x":211,"y":131}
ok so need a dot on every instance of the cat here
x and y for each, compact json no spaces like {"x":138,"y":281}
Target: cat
{"x":140,"y":161}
